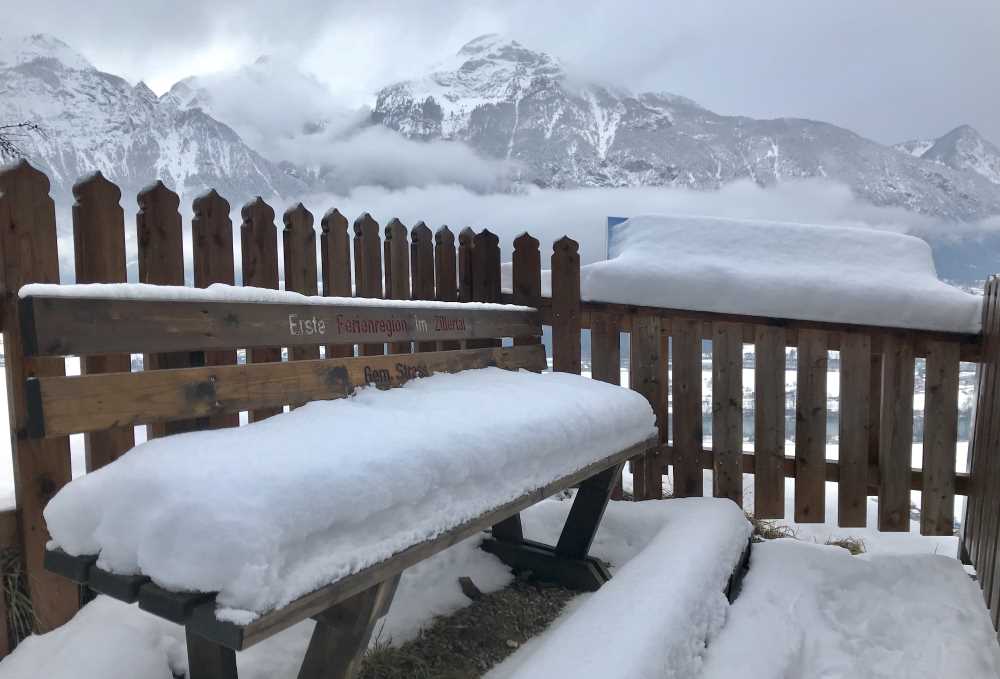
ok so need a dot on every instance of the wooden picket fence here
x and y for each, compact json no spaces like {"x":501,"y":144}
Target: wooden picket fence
{"x":876,"y":363}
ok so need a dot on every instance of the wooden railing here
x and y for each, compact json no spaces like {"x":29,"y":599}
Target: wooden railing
{"x":877,"y":364}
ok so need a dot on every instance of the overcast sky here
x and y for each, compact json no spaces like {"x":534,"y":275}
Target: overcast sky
{"x":889,"y":69}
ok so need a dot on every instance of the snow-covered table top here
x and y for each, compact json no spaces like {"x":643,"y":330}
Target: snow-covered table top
{"x":777,"y":270}
{"x":268,"y":512}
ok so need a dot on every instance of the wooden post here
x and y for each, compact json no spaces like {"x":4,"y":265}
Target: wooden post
{"x":445,"y":273}
{"x":688,"y":434}
{"x":368,"y":268}
{"x":727,"y":411}
{"x":769,"y":422}
{"x":28,"y":247}
{"x":397,"y":271}
{"x":299,"y":245}
{"x":212,"y":233}
{"x":335,"y":254}
{"x":466,"y":242}
{"x":810,"y":427}
{"x":646,"y":376}
{"x":896,"y":440}
{"x":259,"y":248}
{"x":485,"y":276}
{"x":526,"y":277}
{"x":422,"y":270}
{"x":855,"y":403}
{"x":937,"y":499}
{"x":566,"y":306}
{"x":605,"y":361}
{"x":99,"y":249}
{"x":160,"y":236}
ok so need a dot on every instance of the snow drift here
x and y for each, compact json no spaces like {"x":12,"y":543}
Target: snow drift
{"x":781,"y":270}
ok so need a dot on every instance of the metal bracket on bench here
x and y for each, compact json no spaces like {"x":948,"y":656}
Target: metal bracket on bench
{"x":586,"y":574}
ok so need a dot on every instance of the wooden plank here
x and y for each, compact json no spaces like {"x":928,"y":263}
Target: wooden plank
{"x":259,"y":248}
{"x":646,"y":376}
{"x":99,"y":254}
{"x":340,"y":638}
{"x":299,"y":245}
{"x":422,"y":270}
{"x":810,"y":428}
{"x":335,"y":257}
{"x":727,"y":411}
{"x":937,"y":503}
{"x":397,"y":271}
{"x":80,"y":403}
{"x":832,"y":471}
{"x":368,"y":270}
{"x":769,"y":422}
{"x":212,"y":236}
{"x":173,"y":606}
{"x":854,"y":420}
{"x":311,"y":604}
{"x":445,"y":274}
{"x":896,"y":439}
{"x":60,"y":326}
{"x":526,"y":277}
{"x":160,"y":237}
{"x":687,"y":420}
{"x":485,"y":276}
{"x":970,"y":343}
{"x":566,"y":306}
{"x":28,"y":252}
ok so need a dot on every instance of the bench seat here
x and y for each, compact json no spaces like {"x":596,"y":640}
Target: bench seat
{"x":269,"y":512}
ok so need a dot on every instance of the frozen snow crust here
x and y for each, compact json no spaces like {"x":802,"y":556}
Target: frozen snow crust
{"x":774,"y":269}
{"x":268,"y":512}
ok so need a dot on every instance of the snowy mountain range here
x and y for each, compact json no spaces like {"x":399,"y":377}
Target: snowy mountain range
{"x":509,"y":101}
{"x":92,"y":120}
{"x":509,"y":104}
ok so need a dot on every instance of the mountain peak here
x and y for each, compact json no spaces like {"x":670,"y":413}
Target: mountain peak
{"x":23,"y":49}
{"x":965,"y":149}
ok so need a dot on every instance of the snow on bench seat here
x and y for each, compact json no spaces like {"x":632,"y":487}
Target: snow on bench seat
{"x":268,"y":512}
{"x":654,"y":617}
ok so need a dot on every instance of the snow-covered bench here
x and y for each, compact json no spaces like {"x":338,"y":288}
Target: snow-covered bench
{"x":239,"y":533}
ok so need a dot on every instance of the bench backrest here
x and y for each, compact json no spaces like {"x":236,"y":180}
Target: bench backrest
{"x":60,"y":325}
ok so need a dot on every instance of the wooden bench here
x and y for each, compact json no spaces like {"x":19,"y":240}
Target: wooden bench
{"x":345,"y":610}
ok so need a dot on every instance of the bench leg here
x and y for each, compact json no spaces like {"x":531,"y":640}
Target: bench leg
{"x":567,"y":563}
{"x":208,"y":660}
{"x":586,"y":513}
{"x":342,"y":633}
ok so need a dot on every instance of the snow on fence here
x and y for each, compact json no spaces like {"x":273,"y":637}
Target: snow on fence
{"x":876,"y":363}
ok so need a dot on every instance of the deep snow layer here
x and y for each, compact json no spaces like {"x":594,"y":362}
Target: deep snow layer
{"x":776,"y":269}
{"x":273,"y":510}
{"x":653,"y":619}
{"x":816,"y":612}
